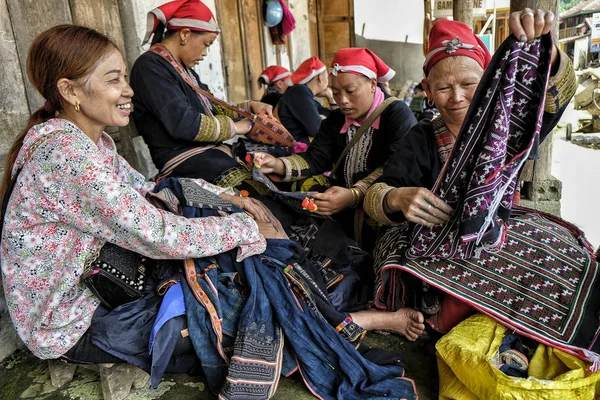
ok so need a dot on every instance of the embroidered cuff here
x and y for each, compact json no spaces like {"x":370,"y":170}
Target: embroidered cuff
{"x":374,"y":203}
{"x":294,"y":165}
{"x":350,"y":331}
{"x":561,"y":86}
{"x":364,"y":184}
{"x":224,"y":111}
{"x":215,"y":129}
{"x":245,"y":106}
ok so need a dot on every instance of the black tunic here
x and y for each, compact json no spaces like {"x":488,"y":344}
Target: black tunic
{"x":298,"y":112}
{"x":168,"y":115}
{"x":326,"y":148}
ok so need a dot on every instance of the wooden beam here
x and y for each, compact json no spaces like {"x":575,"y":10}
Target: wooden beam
{"x":14,"y":109}
{"x":102,"y":15}
{"x":30,"y":18}
{"x":252,"y":44}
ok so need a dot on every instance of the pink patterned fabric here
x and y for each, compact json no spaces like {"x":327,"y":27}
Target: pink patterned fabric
{"x":71,"y":197}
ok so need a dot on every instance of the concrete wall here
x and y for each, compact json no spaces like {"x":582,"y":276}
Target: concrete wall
{"x":404,"y":58}
{"x":299,"y":39}
{"x":390,"y":20}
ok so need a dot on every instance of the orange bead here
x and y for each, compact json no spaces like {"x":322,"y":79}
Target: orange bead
{"x":244,"y":193}
{"x":305,"y":203}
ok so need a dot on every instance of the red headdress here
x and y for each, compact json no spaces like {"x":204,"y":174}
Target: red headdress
{"x":308,"y":70}
{"x":274,"y":73}
{"x":361,"y":61}
{"x":179,"y":14}
{"x":453,"y":38}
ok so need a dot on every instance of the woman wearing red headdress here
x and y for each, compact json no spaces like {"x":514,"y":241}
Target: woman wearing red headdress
{"x":277,"y":80}
{"x":453,"y":69}
{"x":181,"y":126}
{"x":298,"y":110}
{"x":354,"y":77}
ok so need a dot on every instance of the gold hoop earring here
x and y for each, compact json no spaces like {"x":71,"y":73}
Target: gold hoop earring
{"x":77,"y":108}
{"x":430,"y":103}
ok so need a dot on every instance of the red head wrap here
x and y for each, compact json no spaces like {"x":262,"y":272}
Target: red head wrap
{"x":179,"y":14}
{"x":308,"y":70}
{"x":274,"y":73}
{"x":452,"y":38}
{"x":361,"y":61}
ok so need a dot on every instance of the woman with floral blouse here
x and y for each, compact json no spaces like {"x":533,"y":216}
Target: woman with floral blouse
{"x":75,"y":193}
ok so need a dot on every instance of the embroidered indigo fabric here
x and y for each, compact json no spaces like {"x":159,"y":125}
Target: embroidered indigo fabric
{"x":260,"y":302}
{"x":501,"y":129}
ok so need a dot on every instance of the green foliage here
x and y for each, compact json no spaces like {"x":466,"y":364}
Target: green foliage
{"x":567,"y":4}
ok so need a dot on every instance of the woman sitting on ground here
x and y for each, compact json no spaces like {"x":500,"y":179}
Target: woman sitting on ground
{"x":183,"y":128}
{"x":298,"y":110}
{"x":453,"y":69}
{"x":277,"y":80}
{"x":354,"y":76}
{"x":75,"y":193}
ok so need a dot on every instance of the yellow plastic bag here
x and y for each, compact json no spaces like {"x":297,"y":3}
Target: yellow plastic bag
{"x":466,"y":371}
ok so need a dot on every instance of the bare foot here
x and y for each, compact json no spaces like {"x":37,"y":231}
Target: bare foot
{"x":406,"y":321}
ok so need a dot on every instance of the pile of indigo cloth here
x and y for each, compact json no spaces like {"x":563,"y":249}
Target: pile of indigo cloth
{"x":252,"y":321}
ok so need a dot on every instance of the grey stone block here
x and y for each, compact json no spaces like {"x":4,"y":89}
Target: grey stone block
{"x":61,"y":372}
{"x":141,"y":379}
{"x":142,"y":153}
{"x":549,"y":206}
{"x":550,"y":190}
{"x":116,"y":381}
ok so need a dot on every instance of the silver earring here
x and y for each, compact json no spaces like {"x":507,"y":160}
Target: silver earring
{"x":183,"y":42}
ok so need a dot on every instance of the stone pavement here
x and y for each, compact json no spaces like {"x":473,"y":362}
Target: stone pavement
{"x":22,"y":376}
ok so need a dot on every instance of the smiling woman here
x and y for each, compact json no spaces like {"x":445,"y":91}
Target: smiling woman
{"x":66,"y":192}
{"x":100,"y":99}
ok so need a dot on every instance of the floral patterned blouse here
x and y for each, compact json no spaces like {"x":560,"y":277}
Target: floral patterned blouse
{"x":71,"y":197}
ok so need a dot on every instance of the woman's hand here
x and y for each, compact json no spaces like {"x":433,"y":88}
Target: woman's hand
{"x":528,"y":24}
{"x":269,"y":164}
{"x":252,"y":206}
{"x":333,"y":200}
{"x":256,"y":107}
{"x":242,"y":126}
{"x":419,"y":205}
{"x":269,"y":231}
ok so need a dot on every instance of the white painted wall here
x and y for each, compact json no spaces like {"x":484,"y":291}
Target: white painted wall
{"x":299,"y":38}
{"x":389,"y":20}
{"x":210,"y":69}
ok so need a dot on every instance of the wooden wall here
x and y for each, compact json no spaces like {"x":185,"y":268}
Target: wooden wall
{"x":20,"y":22}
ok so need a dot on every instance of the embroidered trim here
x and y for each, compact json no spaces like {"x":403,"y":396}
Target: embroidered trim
{"x":314,"y":181}
{"x":233,"y":177}
{"x":374,"y":200}
{"x":356,"y":160}
{"x":294,"y":165}
{"x":224,"y":111}
{"x":444,"y":140}
{"x":364,"y":184}
{"x":561,"y":86}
